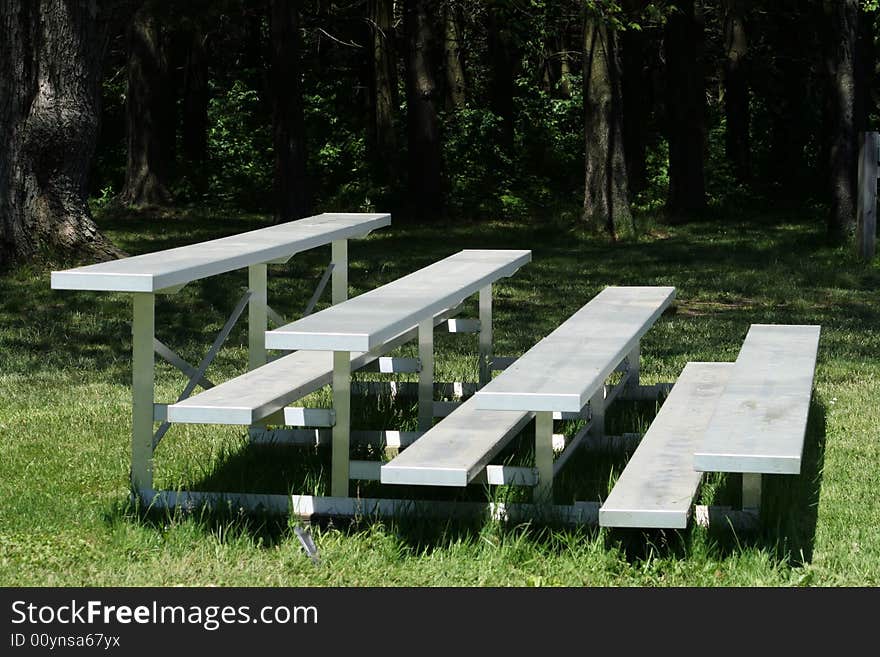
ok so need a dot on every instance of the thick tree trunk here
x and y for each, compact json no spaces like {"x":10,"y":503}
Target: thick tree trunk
{"x":788,"y":125}
{"x":50,"y":69}
{"x":425,"y":157}
{"x":606,"y":203}
{"x":149,"y":109}
{"x":291,"y":182}
{"x":502,"y":70}
{"x":736,"y":88}
{"x":636,"y":107}
{"x":685,"y":105}
{"x":195,"y":97}
{"x":453,"y":55}
{"x":842,"y":17}
{"x":383,"y":136}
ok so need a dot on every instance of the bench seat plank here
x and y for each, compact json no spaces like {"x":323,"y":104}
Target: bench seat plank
{"x":152,"y":272}
{"x":457,"y":449}
{"x":368,"y":320}
{"x":657,"y":487}
{"x":563,"y":370}
{"x":761,"y":420}
{"x":255,"y":395}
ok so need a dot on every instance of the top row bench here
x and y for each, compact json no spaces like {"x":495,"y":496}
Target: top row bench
{"x":153,"y":272}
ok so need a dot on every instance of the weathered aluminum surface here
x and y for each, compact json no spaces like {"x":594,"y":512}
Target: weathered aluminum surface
{"x":565,"y":369}
{"x":657,"y":487}
{"x":456,"y":449}
{"x":152,"y":272}
{"x":368,"y":320}
{"x":761,"y":420}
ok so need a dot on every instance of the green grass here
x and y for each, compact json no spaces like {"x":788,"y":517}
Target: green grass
{"x":65,"y":418}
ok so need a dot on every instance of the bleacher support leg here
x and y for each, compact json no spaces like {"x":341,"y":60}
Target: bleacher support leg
{"x":258,"y":321}
{"x":751,"y":490}
{"x":339,"y":280}
{"x":543,"y":492}
{"x":426,"y":374}
{"x":142,"y":333}
{"x":597,"y":413}
{"x":342,"y":428}
{"x":632,"y":361}
{"x":485,"y":335}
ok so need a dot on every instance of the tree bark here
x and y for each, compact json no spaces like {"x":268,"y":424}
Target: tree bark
{"x":453,"y":54}
{"x":288,"y":129}
{"x":685,"y":103}
{"x":50,"y":71}
{"x":842,"y":18}
{"x":149,"y":109}
{"x":383,"y":136}
{"x":425,"y":157}
{"x":502,"y":71}
{"x":195,"y":97}
{"x":606,"y":203}
{"x":636,"y":107}
{"x":736,"y":88}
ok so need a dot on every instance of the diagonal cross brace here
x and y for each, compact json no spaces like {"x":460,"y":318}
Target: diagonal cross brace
{"x":169,"y":355}
{"x":206,"y":361}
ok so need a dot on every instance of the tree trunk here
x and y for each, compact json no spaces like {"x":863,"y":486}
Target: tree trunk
{"x":736,"y":88}
{"x":383,"y":137}
{"x":564,"y":65}
{"x":606,"y":203}
{"x":288,"y":129}
{"x":501,"y":62}
{"x":842,"y":18}
{"x":195,"y":98}
{"x":453,"y":54}
{"x":636,"y":107}
{"x":685,"y":105}
{"x":50,"y":70}
{"x":149,"y":109}
{"x":425,"y":157}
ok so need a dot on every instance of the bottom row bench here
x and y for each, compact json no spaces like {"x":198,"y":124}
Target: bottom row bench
{"x":749,"y":417}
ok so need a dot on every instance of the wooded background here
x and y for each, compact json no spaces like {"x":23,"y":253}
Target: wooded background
{"x":432,"y":110}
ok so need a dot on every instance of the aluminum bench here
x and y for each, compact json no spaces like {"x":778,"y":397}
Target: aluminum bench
{"x":368,"y":322}
{"x":657,"y":487}
{"x":564,"y":372}
{"x":168,"y":271}
{"x":760,"y":422}
{"x":749,"y":417}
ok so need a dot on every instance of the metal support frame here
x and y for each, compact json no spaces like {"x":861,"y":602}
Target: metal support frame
{"x":632,"y":366}
{"x":543,"y":493}
{"x":258,"y":317}
{"x":339,"y":260}
{"x":485,"y":335}
{"x":342,"y":408}
{"x":597,"y":413}
{"x":143,"y":327}
{"x":426,"y":374}
{"x":205,"y":362}
{"x":751,"y":490}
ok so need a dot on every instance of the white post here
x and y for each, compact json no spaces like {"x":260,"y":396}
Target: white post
{"x":597,"y":413}
{"x":142,"y":396}
{"x":426,"y":374}
{"x":342,"y":428}
{"x":258,"y":321}
{"x":633,"y":370}
{"x":543,"y":492}
{"x":485,"y":335}
{"x":866,"y":228}
{"x":339,"y":280}
{"x":751,"y":493}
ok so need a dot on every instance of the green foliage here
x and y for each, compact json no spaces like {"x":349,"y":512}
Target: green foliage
{"x":240,"y":154}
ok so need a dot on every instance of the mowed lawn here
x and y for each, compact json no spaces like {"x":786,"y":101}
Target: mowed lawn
{"x":65,"y":417}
